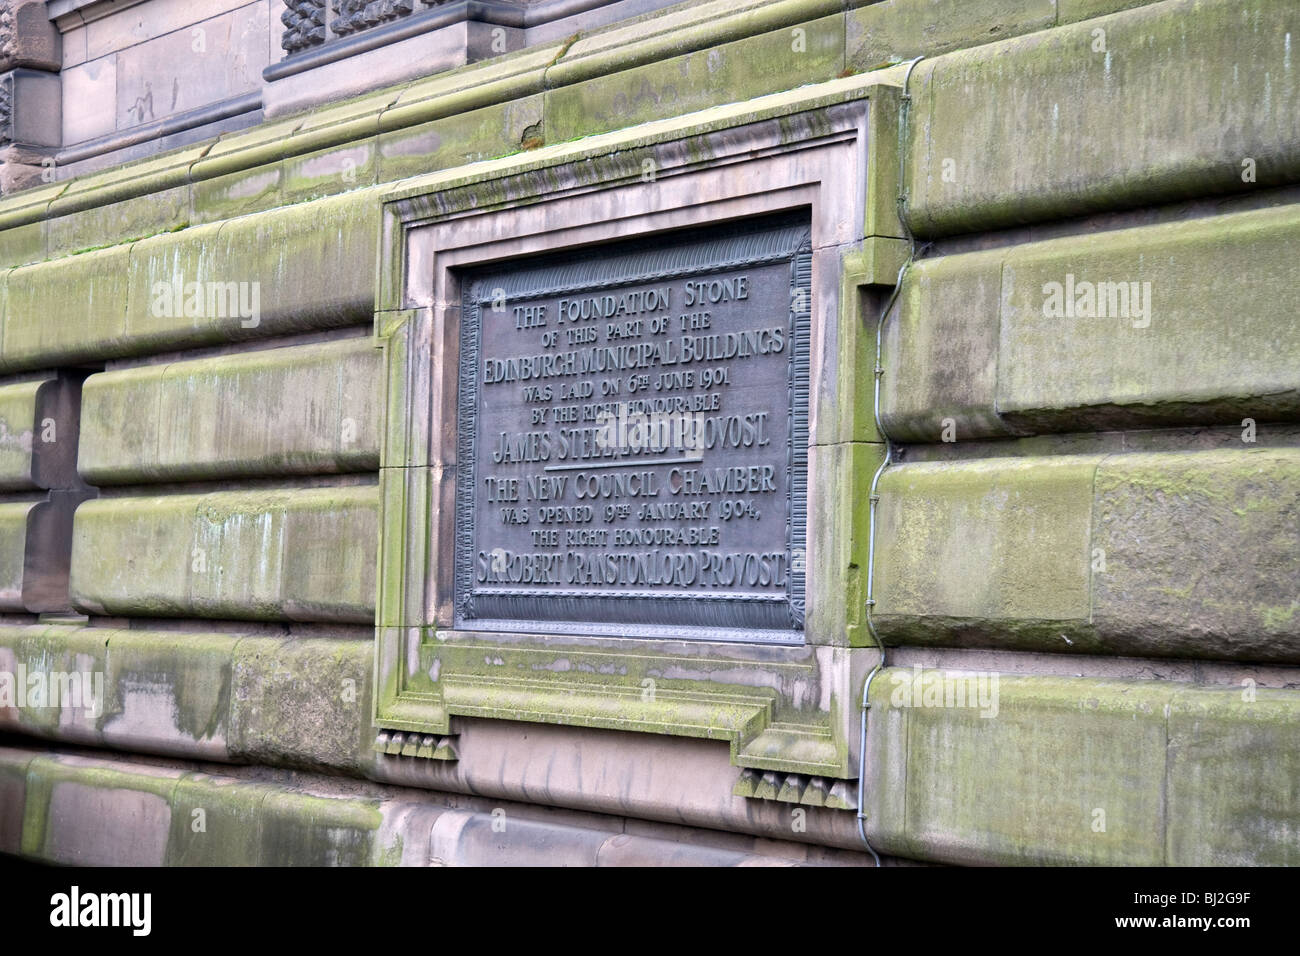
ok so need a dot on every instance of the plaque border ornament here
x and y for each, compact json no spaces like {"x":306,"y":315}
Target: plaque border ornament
{"x":824,"y":155}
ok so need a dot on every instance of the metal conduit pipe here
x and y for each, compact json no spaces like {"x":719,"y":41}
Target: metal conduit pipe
{"x":905,"y":101}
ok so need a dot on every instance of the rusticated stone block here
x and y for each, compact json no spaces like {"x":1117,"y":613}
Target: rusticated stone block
{"x":312,"y":266}
{"x":65,"y":692}
{"x":301,"y":829}
{"x":1065,"y":771}
{"x":166,"y":693}
{"x":1186,"y":554}
{"x":1183,"y":323}
{"x":1234,"y":763}
{"x":982,"y":551}
{"x":1190,"y":322}
{"x":309,"y":409}
{"x":307,"y":554}
{"x":767,"y":63}
{"x":1079,"y":770}
{"x":1057,"y":124}
{"x":229,"y":812}
{"x":303,"y":267}
{"x":302,"y":702}
{"x":88,"y":295}
{"x":941,"y":351}
{"x":70,"y":798}
{"x":1199,"y":553}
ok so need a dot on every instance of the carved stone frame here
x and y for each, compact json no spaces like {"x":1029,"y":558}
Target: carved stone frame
{"x":782,"y":708}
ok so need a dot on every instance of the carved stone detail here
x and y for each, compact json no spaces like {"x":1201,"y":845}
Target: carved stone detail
{"x":811,"y":791}
{"x":354,"y":15}
{"x":27,"y":37}
{"x":304,"y":21}
{"x":6,"y":106}
{"x":396,"y":743}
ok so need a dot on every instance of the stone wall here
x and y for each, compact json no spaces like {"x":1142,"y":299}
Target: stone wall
{"x":1096,"y":508}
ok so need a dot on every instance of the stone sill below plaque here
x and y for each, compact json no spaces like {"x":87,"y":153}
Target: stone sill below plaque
{"x":777,"y":706}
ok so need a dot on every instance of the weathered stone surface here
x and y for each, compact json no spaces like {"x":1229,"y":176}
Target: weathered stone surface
{"x":1069,"y":771}
{"x":681,"y":29}
{"x":21,"y":244}
{"x":13,"y":550}
{"x":1053,"y":125}
{"x":303,"y":267}
{"x":240,"y":193}
{"x":330,"y":171}
{"x":940,"y":351}
{"x":450,"y":141}
{"x":13,"y":797}
{"x":94,"y":219}
{"x":1234,"y":763}
{"x":66,"y":694}
{"x":1164,"y":554}
{"x":276,"y":818}
{"x":1086,"y":771}
{"x":1200,"y":554}
{"x":309,"y":266}
{"x":38,"y":434}
{"x":166,"y":692}
{"x":28,"y":37}
{"x":986,"y":551}
{"x":228,"y":697}
{"x":836,"y":551}
{"x":309,"y":409}
{"x":314,"y":262}
{"x":303,"y":702}
{"x":464,"y":838}
{"x":779,"y":60}
{"x":307,"y":554}
{"x":87,"y":295}
{"x":883,"y":33}
{"x":69,"y":798}
{"x":305,"y":830}
{"x":215,"y":821}
{"x":112,"y":813}
{"x":1068,"y":11}
{"x":1206,"y":337}
{"x":1003,"y":555}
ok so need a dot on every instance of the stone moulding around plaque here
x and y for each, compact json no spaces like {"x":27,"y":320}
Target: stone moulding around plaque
{"x":787,"y":708}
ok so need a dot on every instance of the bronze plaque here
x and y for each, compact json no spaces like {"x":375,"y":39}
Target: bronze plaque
{"x":633,"y":439}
